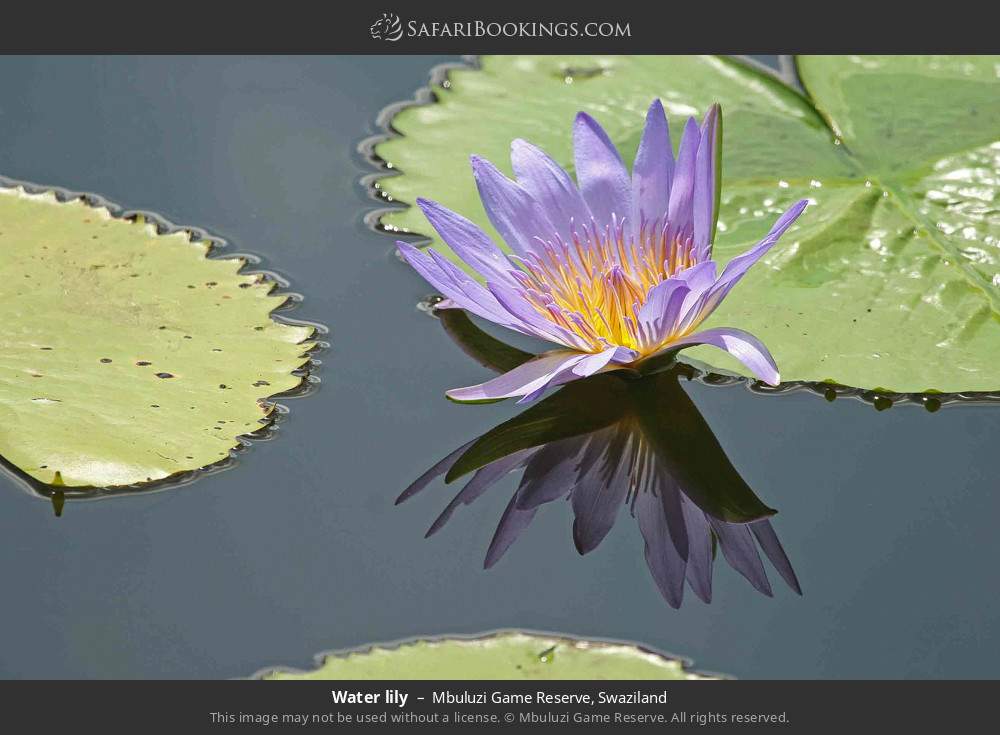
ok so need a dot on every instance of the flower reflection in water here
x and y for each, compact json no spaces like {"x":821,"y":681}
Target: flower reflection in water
{"x":611,"y":441}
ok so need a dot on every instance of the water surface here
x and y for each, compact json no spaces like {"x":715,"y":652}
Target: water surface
{"x":887,"y":516}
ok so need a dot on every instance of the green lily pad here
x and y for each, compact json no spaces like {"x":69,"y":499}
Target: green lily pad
{"x":888,"y":282}
{"x":128,"y":356}
{"x":505,"y":655}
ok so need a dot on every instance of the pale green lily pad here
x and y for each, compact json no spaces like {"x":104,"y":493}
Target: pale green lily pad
{"x":891,"y":279}
{"x":505,"y":655}
{"x":128,"y":356}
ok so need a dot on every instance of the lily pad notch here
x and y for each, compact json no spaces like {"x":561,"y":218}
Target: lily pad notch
{"x":439,"y":78}
{"x":130,"y":352}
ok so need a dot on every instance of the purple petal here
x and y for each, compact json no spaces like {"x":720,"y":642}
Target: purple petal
{"x":514,"y":213}
{"x":514,"y":302}
{"x":598,"y":361}
{"x":772,"y":548}
{"x":682,"y":187}
{"x":588,"y":366}
{"x":481,"y":481}
{"x":741,"y":553}
{"x":662,"y":310}
{"x":603,"y":178}
{"x":737,"y":267}
{"x":653,"y":169}
{"x":454,"y":284}
{"x":468,"y":241}
{"x":672,"y":304}
{"x":550,"y":186}
{"x":742,"y":345}
{"x":512,"y":523}
{"x":699,"y":278}
{"x":522,"y":380}
{"x":706,"y":192}
{"x":433,"y":473}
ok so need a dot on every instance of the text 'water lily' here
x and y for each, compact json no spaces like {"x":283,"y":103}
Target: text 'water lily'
{"x":615,"y":268}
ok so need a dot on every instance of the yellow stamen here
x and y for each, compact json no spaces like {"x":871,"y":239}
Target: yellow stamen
{"x":595,"y":285}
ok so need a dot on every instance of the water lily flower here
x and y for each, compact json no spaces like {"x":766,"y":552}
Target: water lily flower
{"x":615,"y":268}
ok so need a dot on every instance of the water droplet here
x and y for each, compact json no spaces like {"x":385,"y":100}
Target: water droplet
{"x":164,"y":375}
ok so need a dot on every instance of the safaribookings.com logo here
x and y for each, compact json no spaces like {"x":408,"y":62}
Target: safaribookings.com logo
{"x":387,"y":28}
{"x":390,"y":28}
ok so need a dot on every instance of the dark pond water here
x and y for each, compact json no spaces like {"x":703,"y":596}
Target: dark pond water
{"x":889,"y":517}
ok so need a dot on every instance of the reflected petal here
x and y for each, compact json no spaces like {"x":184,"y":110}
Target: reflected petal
{"x":740,"y":551}
{"x":665,"y":564}
{"x":600,"y":491}
{"x":511,"y":525}
{"x":773,"y":550}
{"x":481,"y":481}
{"x":551,"y":474}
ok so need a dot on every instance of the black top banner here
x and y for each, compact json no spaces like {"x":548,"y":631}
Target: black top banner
{"x":388,"y":27}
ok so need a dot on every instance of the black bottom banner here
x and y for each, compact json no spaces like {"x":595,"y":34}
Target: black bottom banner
{"x":250,"y":706}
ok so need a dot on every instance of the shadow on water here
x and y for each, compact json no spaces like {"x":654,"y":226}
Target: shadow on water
{"x":610,"y":441}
